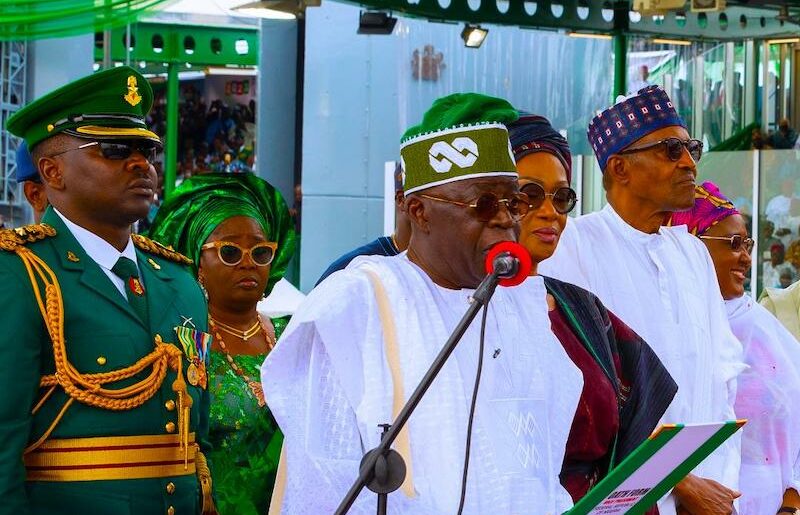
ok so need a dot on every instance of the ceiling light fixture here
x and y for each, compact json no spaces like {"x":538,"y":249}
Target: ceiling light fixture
{"x":784,"y":40}
{"x":376,"y":23}
{"x":587,"y":35}
{"x":679,"y":42}
{"x":473,"y":35}
{"x":277,"y":9}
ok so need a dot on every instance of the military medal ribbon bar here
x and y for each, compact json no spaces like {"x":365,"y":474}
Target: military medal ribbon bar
{"x":195,"y":345}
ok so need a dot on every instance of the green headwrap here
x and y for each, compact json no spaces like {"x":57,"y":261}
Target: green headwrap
{"x":201,"y":203}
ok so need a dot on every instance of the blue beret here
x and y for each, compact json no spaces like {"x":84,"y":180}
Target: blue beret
{"x":627,"y":121}
{"x":26,"y":170}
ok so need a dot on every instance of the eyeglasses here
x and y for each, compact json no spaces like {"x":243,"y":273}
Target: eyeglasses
{"x":674,"y":148}
{"x":488,"y":205}
{"x":232,"y":254}
{"x":563,"y":199}
{"x":117,"y":151}
{"x":737,"y":241}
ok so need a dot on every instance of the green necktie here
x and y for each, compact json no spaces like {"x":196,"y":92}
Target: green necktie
{"x":126,"y":270}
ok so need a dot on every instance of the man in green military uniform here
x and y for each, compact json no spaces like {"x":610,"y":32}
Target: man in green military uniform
{"x":102,"y":360}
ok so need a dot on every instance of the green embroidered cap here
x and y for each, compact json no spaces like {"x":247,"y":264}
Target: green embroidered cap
{"x":462,"y":136}
{"x":110,"y":104}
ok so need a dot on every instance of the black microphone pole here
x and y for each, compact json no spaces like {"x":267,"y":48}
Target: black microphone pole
{"x":382,"y":469}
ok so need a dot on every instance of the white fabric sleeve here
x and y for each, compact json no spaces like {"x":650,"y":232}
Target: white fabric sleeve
{"x":728,"y":366}
{"x":312,"y":397}
{"x":566,"y":264}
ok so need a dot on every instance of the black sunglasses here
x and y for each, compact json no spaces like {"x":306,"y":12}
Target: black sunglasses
{"x":488,"y":205}
{"x":563,"y":199}
{"x":118,"y":150}
{"x":737,"y":242}
{"x":674,"y":148}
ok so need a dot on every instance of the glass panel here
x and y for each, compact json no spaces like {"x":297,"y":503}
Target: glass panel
{"x":772,"y":96}
{"x":733,"y":173}
{"x":593,"y":195}
{"x":713,"y":96}
{"x":737,"y":104}
{"x":779,"y":218}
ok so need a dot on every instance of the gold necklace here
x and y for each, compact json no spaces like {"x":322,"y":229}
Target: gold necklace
{"x":255,"y":386}
{"x":242,"y":335}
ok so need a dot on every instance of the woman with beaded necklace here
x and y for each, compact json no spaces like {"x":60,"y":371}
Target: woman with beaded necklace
{"x":237,"y":230}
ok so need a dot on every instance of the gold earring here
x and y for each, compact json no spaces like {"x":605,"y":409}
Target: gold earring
{"x":202,"y":287}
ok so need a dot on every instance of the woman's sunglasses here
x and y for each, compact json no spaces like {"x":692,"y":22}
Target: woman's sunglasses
{"x":674,"y":148}
{"x":488,"y":205}
{"x":564,"y":199}
{"x":118,"y":150}
{"x":737,"y":242}
{"x":232,"y":254}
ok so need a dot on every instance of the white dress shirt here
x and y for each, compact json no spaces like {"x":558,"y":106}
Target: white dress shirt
{"x":102,"y":252}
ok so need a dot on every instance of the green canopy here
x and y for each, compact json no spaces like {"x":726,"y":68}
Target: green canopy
{"x":38,"y":19}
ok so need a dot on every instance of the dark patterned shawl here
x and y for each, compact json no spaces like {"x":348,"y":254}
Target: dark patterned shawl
{"x":644,"y":387}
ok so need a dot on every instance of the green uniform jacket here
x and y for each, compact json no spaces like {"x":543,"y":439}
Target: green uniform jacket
{"x":98,"y":323}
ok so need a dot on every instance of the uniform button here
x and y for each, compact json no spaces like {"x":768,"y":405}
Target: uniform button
{"x":170,"y":488}
{"x":101,"y":360}
{"x":170,"y":405}
{"x":170,"y":511}
{"x":170,"y":427}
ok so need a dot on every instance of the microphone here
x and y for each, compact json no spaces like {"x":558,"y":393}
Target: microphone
{"x":509,"y":261}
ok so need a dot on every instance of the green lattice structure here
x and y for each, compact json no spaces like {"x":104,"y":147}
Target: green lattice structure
{"x":198,"y":45}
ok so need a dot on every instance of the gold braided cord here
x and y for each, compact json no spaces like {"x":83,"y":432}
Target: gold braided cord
{"x":204,"y":476}
{"x":153,"y":247}
{"x":88,"y":388}
{"x":38,"y":443}
{"x":43,"y":399}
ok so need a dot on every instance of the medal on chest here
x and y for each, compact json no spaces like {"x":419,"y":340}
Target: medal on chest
{"x":195,"y":346}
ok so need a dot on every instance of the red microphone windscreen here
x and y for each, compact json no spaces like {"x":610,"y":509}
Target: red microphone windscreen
{"x":517,"y":251}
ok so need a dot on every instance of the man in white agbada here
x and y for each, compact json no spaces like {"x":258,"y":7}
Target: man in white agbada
{"x":768,"y":391}
{"x":660,"y":280}
{"x":363,"y":339}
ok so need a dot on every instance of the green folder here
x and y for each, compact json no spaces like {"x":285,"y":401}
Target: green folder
{"x":657,"y":465}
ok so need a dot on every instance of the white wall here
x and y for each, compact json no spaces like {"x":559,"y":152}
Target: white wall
{"x":361,"y":95}
{"x":53,"y":63}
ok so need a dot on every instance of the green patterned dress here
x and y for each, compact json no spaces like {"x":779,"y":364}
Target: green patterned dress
{"x":245,"y":438}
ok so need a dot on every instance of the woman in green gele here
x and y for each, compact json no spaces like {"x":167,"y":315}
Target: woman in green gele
{"x":237,"y":231}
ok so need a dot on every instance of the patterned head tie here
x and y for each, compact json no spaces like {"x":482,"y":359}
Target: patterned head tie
{"x":532,"y":133}
{"x":710,"y":208}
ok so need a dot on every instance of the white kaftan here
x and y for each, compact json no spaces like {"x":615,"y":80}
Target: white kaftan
{"x":328,"y":385}
{"x":664,"y":287}
{"x":769,"y":397}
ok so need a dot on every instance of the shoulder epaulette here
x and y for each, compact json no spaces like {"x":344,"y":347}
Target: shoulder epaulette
{"x":153,"y":247}
{"x":10,"y":239}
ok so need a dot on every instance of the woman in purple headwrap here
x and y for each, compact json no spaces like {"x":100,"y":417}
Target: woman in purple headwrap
{"x":626,"y":388}
{"x":768,"y":391}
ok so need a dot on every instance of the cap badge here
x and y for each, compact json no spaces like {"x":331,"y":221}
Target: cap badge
{"x":133,"y":97}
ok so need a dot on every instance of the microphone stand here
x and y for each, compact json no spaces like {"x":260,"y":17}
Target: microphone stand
{"x":382,"y":469}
